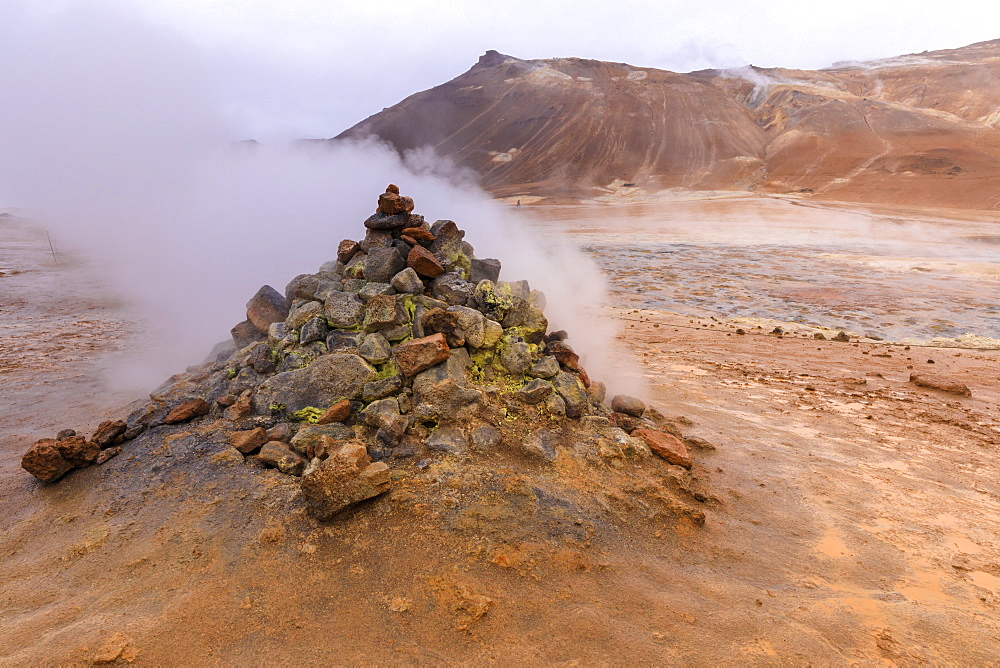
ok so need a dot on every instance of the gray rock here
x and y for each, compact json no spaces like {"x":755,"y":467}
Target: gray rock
{"x":309,"y":436}
{"x":452,"y":288}
{"x":541,"y":443}
{"x":262,"y":358}
{"x":472,"y":323}
{"x":354,"y":285}
{"x":314,"y":330}
{"x":372,"y":289}
{"x":623,"y":403}
{"x":443,"y":391}
{"x":570,"y":388}
{"x":302,"y":314}
{"x":450,"y":440}
{"x":356,"y":267}
{"x":375,"y":349}
{"x":245,"y":333}
{"x":326,"y":288}
{"x":555,"y":405}
{"x":535,"y":391}
{"x":381,"y":221}
{"x":518,"y":289}
{"x":376,"y":239}
{"x":341,"y":341}
{"x":486,"y":269}
{"x":408,"y":282}
{"x":276,"y":332}
{"x":546,"y":367}
{"x":398,"y":333}
{"x":485,"y":438}
{"x":331,"y":267}
{"x":379,"y":389}
{"x":597,"y":392}
{"x":384,"y":416}
{"x":530,"y":320}
{"x":325,"y":381}
{"x":382,"y":264}
{"x":516,"y":358}
{"x":383,"y":312}
{"x":343,"y":309}
{"x":302,"y":286}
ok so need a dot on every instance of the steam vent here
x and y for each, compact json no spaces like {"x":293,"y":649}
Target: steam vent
{"x":404,"y":353}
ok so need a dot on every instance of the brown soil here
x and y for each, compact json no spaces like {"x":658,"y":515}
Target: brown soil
{"x":851,"y":517}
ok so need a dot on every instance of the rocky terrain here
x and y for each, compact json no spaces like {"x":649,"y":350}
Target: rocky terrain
{"x":918,"y":129}
{"x":836,"y":510}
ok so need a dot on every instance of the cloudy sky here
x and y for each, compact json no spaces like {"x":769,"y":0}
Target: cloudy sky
{"x":315,"y":67}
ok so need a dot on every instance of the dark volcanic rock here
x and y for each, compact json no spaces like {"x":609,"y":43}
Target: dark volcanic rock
{"x":382,"y":264}
{"x":245,"y":333}
{"x":327,"y":380}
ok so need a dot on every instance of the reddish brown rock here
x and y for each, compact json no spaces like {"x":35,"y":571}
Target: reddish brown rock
{"x":390,"y":204}
{"x":418,"y":354}
{"x":109,"y":433}
{"x":338,"y":412}
{"x":347,"y":477}
{"x":564,"y":354}
{"x":423,"y":262}
{"x":670,"y":448}
{"x":949,"y":385}
{"x":225,"y":401}
{"x":249,"y":441}
{"x":44,"y":460}
{"x":265,"y":307}
{"x":408,"y":239}
{"x":418,"y":233}
{"x":392,"y":188}
{"x":347,"y":250}
{"x":406,"y":203}
{"x":240,"y":409}
{"x":188,"y":410}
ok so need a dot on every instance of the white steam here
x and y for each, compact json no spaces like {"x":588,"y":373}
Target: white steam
{"x":113,"y":134}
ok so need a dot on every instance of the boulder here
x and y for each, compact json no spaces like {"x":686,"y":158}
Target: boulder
{"x":382,"y":312}
{"x":535,"y":391}
{"x":265,"y":307}
{"x":314,"y":330}
{"x":516,"y":358}
{"x":341,"y":341}
{"x":382,"y":264}
{"x":346,"y":250}
{"x":623,"y":403}
{"x":375,"y":349}
{"x":408,"y":282}
{"x":438,"y":320}
{"x":245,"y":333}
{"x":472,"y":324}
{"x":345,"y":478}
{"x":303,"y":313}
{"x":108,"y":433}
{"x":249,"y":441}
{"x":423,"y":262}
{"x":187,"y":410}
{"x":376,"y":239}
{"x":665,"y":445}
{"x":261,"y":358}
{"x":452,"y":288}
{"x":327,"y":380}
{"x":278,"y":455}
{"x":390,"y":203}
{"x":416,"y":355}
{"x":573,"y":393}
{"x":308,"y":438}
{"x":372,"y":289}
{"x":546,"y":367}
{"x":343,"y":309}
{"x":338,"y":412}
{"x":379,"y":389}
{"x":486,"y":269}
{"x":418,"y":234}
{"x":49,"y":459}
{"x":382,"y":221}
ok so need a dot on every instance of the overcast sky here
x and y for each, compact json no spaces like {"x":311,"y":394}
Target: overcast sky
{"x":316,"y":67}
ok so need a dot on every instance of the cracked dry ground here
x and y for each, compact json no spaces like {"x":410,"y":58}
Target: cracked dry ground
{"x":847,"y":522}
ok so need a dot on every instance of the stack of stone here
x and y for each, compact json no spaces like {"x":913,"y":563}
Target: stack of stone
{"x":405,"y":347}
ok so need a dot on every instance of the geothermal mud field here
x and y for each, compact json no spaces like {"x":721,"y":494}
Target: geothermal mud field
{"x":850,"y":515}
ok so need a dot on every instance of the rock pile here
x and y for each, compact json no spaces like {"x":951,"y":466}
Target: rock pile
{"x":405,"y":348}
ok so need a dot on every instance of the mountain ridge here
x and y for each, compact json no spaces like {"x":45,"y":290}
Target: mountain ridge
{"x":919,"y":129}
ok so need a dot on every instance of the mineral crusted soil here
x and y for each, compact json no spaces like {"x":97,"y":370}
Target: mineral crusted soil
{"x":852,"y":517}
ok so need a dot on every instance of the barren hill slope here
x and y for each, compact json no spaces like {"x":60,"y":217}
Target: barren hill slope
{"x":917,"y":129}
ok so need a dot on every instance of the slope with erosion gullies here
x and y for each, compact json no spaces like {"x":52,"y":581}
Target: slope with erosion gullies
{"x":570,"y":126}
{"x":918,"y":129}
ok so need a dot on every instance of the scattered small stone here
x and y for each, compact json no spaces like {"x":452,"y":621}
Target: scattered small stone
{"x":345,"y":478}
{"x":665,"y":445}
{"x":249,"y":441}
{"x":842,"y":337}
{"x":278,"y":455}
{"x":339,"y":412}
{"x":66,"y":433}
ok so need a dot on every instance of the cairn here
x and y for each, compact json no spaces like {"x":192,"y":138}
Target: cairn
{"x":405,"y":348}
